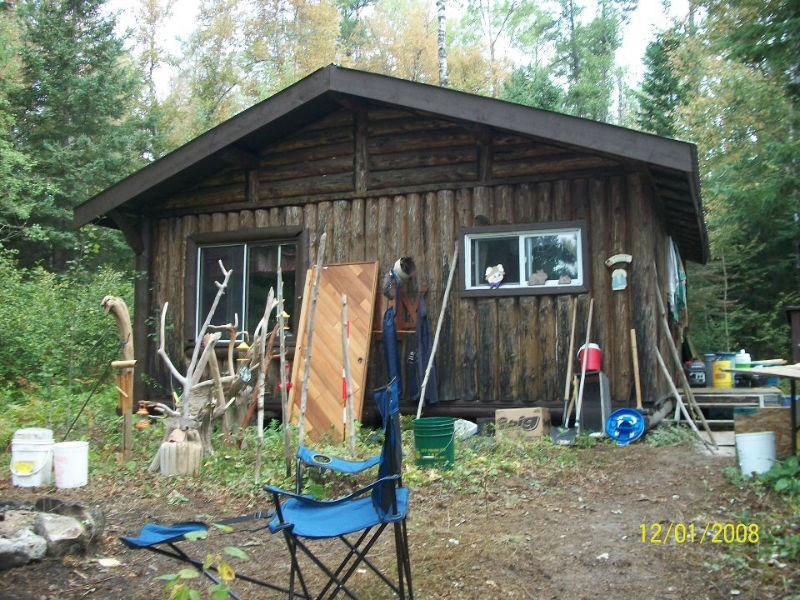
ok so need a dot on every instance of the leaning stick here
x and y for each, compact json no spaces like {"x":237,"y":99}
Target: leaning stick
{"x":680,"y":405}
{"x":571,"y":349}
{"x":301,"y":431}
{"x":262,"y":377}
{"x":678,"y":364}
{"x":350,"y":418}
{"x":637,"y":380}
{"x":584,"y":362}
{"x":446,"y":297}
{"x":287,"y":438}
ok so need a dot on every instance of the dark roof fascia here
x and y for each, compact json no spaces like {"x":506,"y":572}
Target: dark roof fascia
{"x":200,"y":148}
{"x":557,"y":127}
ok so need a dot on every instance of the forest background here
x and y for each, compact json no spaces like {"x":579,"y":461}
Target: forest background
{"x":81,"y":106}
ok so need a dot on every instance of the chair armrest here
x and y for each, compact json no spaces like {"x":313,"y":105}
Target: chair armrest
{"x":340,"y":465}
{"x":281,"y":492}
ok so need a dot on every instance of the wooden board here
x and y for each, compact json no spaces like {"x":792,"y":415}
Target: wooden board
{"x":325,"y":411}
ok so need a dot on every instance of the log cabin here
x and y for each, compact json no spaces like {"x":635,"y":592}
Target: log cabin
{"x":395,"y":168}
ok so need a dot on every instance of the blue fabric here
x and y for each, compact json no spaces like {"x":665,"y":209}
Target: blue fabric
{"x":388,"y":402}
{"x":391,"y":351}
{"x":424,"y":349}
{"x":340,"y":465}
{"x":152,"y":534}
{"x":321,"y":520}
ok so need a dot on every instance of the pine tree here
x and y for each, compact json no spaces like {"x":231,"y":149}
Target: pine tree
{"x":533,"y":86}
{"x":75,"y":117}
{"x":17,"y":182}
{"x":662,"y":91}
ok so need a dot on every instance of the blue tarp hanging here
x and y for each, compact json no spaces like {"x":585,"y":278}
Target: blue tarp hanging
{"x":391,"y":350}
{"x":424,"y":347}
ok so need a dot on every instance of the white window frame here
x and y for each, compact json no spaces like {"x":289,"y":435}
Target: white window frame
{"x":523,"y":232}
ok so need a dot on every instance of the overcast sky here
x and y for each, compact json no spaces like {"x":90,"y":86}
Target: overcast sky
{"x":649,"y":18}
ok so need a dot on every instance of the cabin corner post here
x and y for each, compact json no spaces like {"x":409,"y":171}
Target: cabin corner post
{"x":141,"y":309}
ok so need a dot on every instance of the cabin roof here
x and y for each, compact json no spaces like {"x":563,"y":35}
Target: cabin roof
{"x":671,"y":164}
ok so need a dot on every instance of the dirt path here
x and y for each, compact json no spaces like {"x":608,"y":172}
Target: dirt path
{"x":575,"y":534}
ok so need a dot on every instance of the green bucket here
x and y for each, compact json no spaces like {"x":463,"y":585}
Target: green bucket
{"x":435,"y":442}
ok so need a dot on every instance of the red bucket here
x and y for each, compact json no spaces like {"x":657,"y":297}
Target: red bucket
{"x":594,"y":358}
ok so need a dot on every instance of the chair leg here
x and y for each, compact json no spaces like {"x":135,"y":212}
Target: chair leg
{"x":295,"y":567}
{"x":366,"y":561}
{"x":400,"y":554}
{"x":361,"y":556}
{"x":407,"y":560}
{"x":340,"y":584}
{"x":343,"y":564}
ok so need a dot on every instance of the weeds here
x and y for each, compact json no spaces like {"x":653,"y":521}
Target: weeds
{"x":669,"y":435}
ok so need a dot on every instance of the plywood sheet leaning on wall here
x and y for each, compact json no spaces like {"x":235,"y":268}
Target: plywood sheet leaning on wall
{"x":325,"y":413}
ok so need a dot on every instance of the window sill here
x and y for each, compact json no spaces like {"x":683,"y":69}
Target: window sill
{"x":534,"y":290}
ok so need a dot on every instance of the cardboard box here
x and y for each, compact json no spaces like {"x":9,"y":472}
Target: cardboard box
{"x":530,"y":422}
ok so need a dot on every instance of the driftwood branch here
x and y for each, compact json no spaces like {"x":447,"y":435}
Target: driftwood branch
{"x":161,"y":347}
{"x":191,"y":371}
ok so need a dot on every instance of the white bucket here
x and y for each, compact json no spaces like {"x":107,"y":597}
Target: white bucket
{"x":71,"y":461}
{"x":32,"y":457}
{"x":756,"y":452}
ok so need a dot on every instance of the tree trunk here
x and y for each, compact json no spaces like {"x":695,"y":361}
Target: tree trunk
{"x":440,"y":8}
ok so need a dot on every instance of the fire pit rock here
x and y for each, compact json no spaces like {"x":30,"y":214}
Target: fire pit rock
{"x":50,"y":527}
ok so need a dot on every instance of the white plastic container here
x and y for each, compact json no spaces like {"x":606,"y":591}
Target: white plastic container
{"x":71,"y":461}
{"x":32,"y":457}
{"x":756,"y":452}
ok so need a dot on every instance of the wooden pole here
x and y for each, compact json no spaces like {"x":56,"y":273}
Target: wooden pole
{"x":445,"y":299}
{"x":350,"y":421}
{"x":680,"y":405}
{"x":635,"y":358}
{"x":678,"y":364}
{"x":584,"y":362}
{"x":285,"y":416}
{"x":571,"y":350}
{"x":124,"y":369}
{"x":301,"y":432}
{"x":125,"y":382}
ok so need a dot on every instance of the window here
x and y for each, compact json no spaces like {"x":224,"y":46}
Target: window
{"x":536,"y":259}
{"x":255,"y":271}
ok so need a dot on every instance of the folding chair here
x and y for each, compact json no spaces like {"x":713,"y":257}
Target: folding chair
{"x":366,"y":512}
{"x":163,"y":540}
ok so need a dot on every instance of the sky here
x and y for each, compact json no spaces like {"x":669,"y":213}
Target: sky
{"x":650,"y":17}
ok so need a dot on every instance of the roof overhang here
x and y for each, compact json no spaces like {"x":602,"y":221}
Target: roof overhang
{"x":316,"y":95}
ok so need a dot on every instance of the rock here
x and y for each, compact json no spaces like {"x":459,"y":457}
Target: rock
{"x":21,"y":549}
{"x":14,"y":521}
{"x":91,"y":517}
{"x":64,"y":534}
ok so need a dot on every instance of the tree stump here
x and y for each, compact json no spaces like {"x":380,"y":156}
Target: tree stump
{"x":181,"y":457}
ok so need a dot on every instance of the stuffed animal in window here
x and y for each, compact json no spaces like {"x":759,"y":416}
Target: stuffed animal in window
{"x":494,"y":275}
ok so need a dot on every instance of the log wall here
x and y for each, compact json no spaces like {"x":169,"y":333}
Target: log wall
{"x":407,"y":188}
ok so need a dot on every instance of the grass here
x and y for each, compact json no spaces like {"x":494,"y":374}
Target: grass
{"x":670,"y":435}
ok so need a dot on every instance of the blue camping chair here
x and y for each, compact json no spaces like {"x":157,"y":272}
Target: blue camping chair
{"x":366,"y":512}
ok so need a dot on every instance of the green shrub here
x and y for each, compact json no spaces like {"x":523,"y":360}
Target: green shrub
{"x":783,"y":477}
{"x":54,"y":330}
